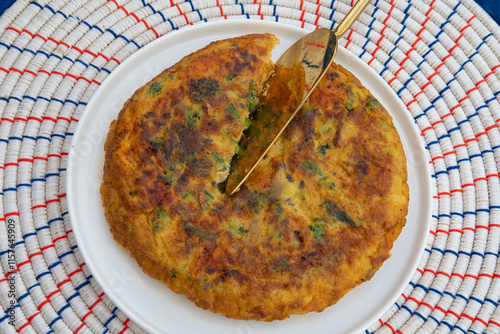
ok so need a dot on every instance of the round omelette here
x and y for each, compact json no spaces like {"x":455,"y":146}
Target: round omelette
{"x":316,"y":218}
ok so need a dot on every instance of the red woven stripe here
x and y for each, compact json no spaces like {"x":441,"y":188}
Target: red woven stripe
{"x":95,"y":303}
{"x":432,"y":75}
{"x":14,"y":29}
{"x":23,"y":263}
{"x":123,"y":330}
{"x":46,"y":301}
{"x":444,"y":274}
{"x":50,"y":118}
{"x":456,"y":230}
{"x":33,"y":316}
{"x":470,"y":140}
{"x":35,"y":254}
{"x":53,"y":293}
{"x":414,"y":300}
{"x":60,"y":238}
{"x":63,"y":282}
{"x":86,"y":315}
{"x":75,"y":272}
{"x":390,"y":327}
{"x":481,"y":321}
{"x":349,"y":36}
{"x":47,"y":247}
{"x":494,"y":323}
{"x":184,"y":14}
{"x":79,"y":328}
{"x":469,"y":20}
{"x":23,"y":326}
{"x":52,"y":200}
{"x":40,"y":36}
{"x":450,"y":153}
{"x":12,"y":272}
{"x":427,"y":305}
{"x":453,"y":48}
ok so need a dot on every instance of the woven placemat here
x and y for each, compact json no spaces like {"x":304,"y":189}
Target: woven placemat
{"x":440,"y":57}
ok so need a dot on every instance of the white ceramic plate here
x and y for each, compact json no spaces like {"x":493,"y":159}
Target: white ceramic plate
{"x":151,"y":304}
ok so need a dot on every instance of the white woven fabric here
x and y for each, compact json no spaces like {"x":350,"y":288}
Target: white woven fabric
{"x":440,"y":56}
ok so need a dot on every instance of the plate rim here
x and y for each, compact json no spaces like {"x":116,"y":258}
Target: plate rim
{"x":130,"y":312}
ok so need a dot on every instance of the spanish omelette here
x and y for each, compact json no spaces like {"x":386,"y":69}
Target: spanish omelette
{"x":317,"y":218}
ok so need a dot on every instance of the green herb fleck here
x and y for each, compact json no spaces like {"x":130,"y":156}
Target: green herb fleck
{"x":279,"y":210}
{"x":317,"y":230}
{"x":204,"y":234}
{"x":173,"y":273}
{"x":209,"y":195}
{"x":231,"y":77}
{"x":217,"y":158}
{"x":348,"y":106}
{"x":312,"y":167}
{"x":236,"y":227}
{"x":159,"y":220}
{"x":277,"y":234}
{"x":188,"y":157}
{"x":174,"y":166}
{"x":231,"y":109}
{"x":252,"y":97}
{"x":259,"y":199}
{"x":155,"y":88}
{"x":248,"y":122}
{"x":385,"y":123}
{"x":168,"y":177}
{"x":281,"y":266}
{"x":192,"y":118}
{"x":371,"y":102}
{"x":323,"y":148}
{"x":336,"y":212}
{"x":222,"y":165}
{"x":188,"y":194}
{"x":325,"y":128}
{"x":253,"y":131}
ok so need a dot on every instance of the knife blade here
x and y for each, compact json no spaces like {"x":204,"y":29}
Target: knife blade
{"x":298,"y":72}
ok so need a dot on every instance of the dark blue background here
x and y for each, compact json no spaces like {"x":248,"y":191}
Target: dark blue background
{"x":4,"y":4}
{"x":492,"y":7}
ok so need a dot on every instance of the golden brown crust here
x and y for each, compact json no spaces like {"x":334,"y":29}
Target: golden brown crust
{"x":316,"y":219}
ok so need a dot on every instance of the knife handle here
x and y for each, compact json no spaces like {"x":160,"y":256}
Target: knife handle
{"x":351,"y":17}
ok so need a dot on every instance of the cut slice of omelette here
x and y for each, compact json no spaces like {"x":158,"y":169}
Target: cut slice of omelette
{"x":316,"y":219}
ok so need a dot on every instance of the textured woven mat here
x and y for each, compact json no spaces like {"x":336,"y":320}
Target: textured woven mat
{"x":440,"y":57}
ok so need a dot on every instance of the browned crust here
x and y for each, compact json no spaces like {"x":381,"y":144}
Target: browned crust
{"x":318,"y":217}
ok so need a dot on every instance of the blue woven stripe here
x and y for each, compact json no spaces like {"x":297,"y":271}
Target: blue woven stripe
{"x":109,"y":320}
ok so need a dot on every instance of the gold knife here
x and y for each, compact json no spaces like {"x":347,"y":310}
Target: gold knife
{"x":298,"y":72}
